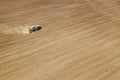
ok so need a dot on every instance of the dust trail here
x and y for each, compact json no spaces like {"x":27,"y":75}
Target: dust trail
{"x":14,"y":29}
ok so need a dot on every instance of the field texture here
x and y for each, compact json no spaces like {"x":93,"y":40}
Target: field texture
{"x":80,"y":40}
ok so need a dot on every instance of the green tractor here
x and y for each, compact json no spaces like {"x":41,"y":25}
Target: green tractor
{"x":35,"y":28}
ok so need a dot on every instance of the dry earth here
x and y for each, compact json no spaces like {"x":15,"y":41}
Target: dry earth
{"x":80,"y":40}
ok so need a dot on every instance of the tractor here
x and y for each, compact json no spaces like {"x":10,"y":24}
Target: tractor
{"x":35,"y":28}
